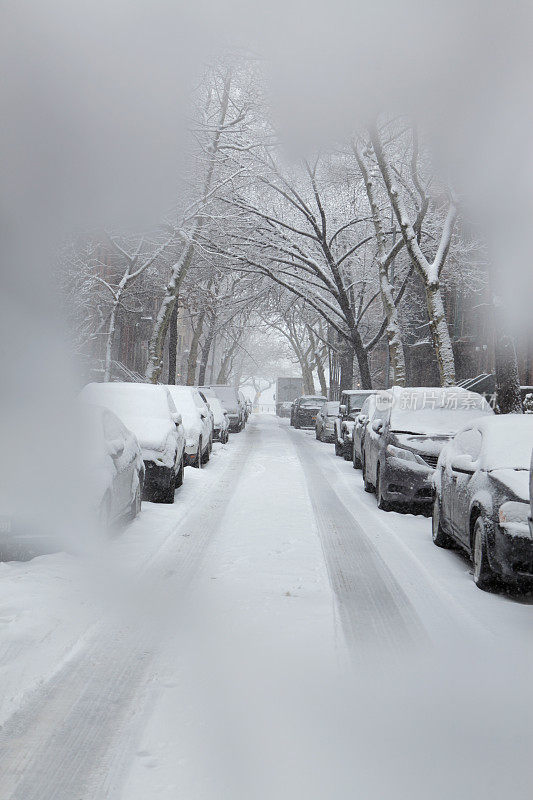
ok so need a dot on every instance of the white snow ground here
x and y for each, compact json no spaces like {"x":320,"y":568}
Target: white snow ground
{"x":271,"y":635}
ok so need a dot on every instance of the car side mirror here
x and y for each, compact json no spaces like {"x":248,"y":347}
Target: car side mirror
{"x":342,"y":409}
{"x":377,"y":426}
{"x":176,"y":418}
{"x":463,"y":463}
{"x":361,"y":419}
{"x":203,"y":414}
{"x":115,"y":448}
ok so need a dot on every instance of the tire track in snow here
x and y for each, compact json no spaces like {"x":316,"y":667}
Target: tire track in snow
{"x":374,"y":610}
{"x":61,"y":745}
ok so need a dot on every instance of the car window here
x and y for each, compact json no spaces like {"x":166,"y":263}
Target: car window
{"x":469,"y":442}
{"x":355,"y":401}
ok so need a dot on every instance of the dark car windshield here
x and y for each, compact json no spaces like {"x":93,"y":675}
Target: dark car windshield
{"x":312,"y":402}
{"x":355,"y":401}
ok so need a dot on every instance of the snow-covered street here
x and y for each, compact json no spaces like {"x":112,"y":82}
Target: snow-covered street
{"x":270,"y":635}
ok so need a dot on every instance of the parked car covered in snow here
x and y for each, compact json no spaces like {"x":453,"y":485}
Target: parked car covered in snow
{"x":113,"y":466}
{"x":305,"y":410}
{"x":325,"y":421}
{"x":351,"y":402}
{"x":196,"y":416}
{"x":149,"y":412}
{"x":244,"y":404}
{"x":359,"y":429}
{"x":232,"y":401}
{"x":482,"y":498}
{"x":403,"y":440}
{"x":221,"y":420}
{"x":284,"y":409}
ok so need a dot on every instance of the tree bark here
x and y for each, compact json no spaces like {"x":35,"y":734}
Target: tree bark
{"x":206,"y":349}
{"x":361,"y":354}
{"x":193,"y":352}
{"x":173,"y":345}
{"x":110,"y":338}
{"x":440,"y":334}
{"x":346,"y":357}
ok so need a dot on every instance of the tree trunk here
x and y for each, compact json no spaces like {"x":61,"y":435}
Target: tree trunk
{"x":508,"y":396}
{"x":110,"y":338}
{"x":319,"y":365}
{"x":173,"y":345}
{"x":206,"y":349}
{"x":321,"y":377}
{"x":440,"y":333}
{"x":346,"y":358}
{"x":193,"y":352}
{"x":307,"y":378}
{"x":225,"y":366}
{"x":361,"y":355}
{"x":385,"y":260}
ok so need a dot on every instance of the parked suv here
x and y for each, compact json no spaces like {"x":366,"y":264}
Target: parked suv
{"x":325,"y":421}
{"x":305,"y":410}
{"x":233,"y":402}
{"x":404,"y":438}
{"x":351,"y":402}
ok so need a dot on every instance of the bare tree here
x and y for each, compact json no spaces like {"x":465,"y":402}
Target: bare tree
{"x":429,"y":271}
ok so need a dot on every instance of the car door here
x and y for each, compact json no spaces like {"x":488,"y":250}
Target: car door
{"x":372,"y":445}
{"x":467,"y":443}
{"x":359,"y":429}
{"x":447,"y":488}
{"x":116,"y":434}
{"x":205,"y":415}
{"x":211,"y":416}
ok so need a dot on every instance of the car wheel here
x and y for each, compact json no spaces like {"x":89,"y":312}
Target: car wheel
{"x":207,"y":455}
{"x":368,"y":486}
{"x":355,"y":459}
{"x":383,"y":504}
{"x":484,"y":577}
{"x":181,"y":472}
{"x":167,"y":494}
{"x":439,"y":536}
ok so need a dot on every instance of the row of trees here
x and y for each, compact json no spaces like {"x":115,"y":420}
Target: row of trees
{"x":333,"y":254}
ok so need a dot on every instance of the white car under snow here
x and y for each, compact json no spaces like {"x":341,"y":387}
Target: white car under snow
{"x":148,"y":411}
{"x":221,"y":420}
{"x":197,"y":423}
